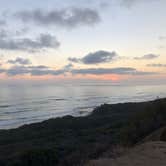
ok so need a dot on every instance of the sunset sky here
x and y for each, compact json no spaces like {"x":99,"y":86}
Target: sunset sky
{"x":84,"y":39}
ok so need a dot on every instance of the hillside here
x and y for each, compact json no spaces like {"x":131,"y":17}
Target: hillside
{"x":75,"y":140}
{"x":151,"y":151}
{"x":147,"y":154}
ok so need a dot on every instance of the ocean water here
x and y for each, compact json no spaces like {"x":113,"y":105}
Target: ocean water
{"x":24,"y":104}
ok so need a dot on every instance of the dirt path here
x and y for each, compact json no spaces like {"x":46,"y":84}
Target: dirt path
{"x":147,"y":154}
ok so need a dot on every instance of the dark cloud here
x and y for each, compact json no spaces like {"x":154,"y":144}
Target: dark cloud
{"x":147,"y":57}
{"x":75,"y":60}
{"x":17,"y":70}
{"x":129,"y":3}
{"x":7,"y":33}
{"x":68,"y":17}
{"x":38,"y":72}
{"x":45,"y":70}
{"x":156,"y":65}
{"x":26,"y":44}
{"x":40,"y":67}
{"x":2,"y":22}
{"x":21,"y":31}
{"x":101,"y":71}
{"x":96,"y":57}
{"x":68,"y":67}
{"x":3,"y":33}
{"x":104,"y":5}
{"x":32,"y":70}
{"x":19,"y":60}
{"x":2,"y":70}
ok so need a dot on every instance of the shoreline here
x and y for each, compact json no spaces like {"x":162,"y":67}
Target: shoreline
{"x":72,"y":140}
{"x":80,"y":114}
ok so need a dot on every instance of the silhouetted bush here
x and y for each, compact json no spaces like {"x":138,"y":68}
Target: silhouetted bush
{"x":163,"y":136}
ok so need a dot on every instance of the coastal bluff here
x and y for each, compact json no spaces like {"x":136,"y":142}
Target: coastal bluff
{"x":74,"y":141}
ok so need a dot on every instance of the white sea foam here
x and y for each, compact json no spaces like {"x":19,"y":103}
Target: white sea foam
{"x":27,"y":104}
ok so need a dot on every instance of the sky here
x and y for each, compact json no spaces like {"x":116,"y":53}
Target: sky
{"x":117,"y":40}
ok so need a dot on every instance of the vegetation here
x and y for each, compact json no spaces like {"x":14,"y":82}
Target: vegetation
{"x":71,"y":140}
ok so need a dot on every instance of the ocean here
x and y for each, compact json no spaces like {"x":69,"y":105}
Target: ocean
{"x":24,"y":104}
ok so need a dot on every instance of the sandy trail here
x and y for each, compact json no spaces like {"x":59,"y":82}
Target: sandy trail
{"x":147,"y":154}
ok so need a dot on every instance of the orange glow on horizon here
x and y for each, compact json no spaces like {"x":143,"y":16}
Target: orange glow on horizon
{"x":112,"y":77}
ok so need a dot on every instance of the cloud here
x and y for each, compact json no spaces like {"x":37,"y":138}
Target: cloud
{"x":45,"y":70}
{"x":27,"y":44}
{"x":95,"y":57}
{"x":130,"y":3}
{"x":2,"y":70}
{"x":68,"y":67}
{"x":147,"y":57}
{"x":19,"y":60}
{"x":40,"y":67}
{"x":156,"y":65}
{"x":67,"y":17}
{"x":21,"y":31}
{"x":104,"y":5}
{"x":2,"y":22}
{"x":32,"y":70}
{"x":17,"y":70}
{"x":162,"y":37}
{"x":101,"y":71}
{"x":161,"y":47}
{"x":75,"y":60}
{"x":3,"y":33}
